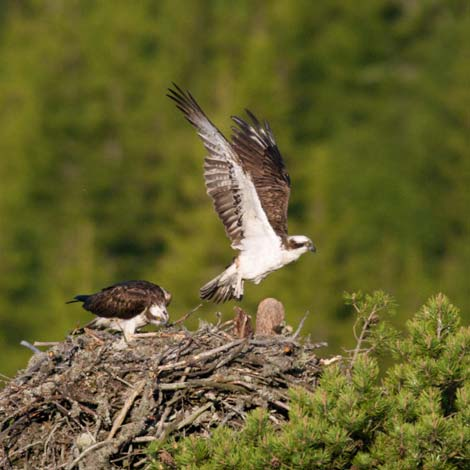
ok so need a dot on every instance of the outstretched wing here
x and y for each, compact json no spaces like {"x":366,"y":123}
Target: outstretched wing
{"x":124,"y":300}
{"x":230,"y":187}
{"x":261,"y":159}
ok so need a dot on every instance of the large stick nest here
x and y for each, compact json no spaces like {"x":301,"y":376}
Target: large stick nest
{"x":94,"y":402}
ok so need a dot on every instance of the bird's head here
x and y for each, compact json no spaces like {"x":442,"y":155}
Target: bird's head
{"x":300,"y":244}
{"x":158,"y":315}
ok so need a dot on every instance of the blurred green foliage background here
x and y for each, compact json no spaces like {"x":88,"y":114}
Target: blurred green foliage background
{"x":101,"y":177}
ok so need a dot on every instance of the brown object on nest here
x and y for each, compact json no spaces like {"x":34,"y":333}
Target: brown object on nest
{"x":270,"y":317}
{"x":85,"y":403}
{"x":242,"y":327}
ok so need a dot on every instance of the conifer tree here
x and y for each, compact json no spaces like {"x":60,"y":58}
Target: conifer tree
{"x":416,"y":416}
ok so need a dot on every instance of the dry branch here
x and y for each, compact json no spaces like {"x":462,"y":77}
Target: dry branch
{"x":122,"y":414}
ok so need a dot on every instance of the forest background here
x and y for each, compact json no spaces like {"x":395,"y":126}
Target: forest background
{"x":101,"y":177}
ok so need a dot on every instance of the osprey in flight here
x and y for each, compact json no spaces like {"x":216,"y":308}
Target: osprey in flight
{"x":127,"y":306}
{"x":249,"y":186}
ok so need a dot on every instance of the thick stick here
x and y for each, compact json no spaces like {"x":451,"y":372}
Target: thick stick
{"x":201,"y":356}
{"x":127,"y":405}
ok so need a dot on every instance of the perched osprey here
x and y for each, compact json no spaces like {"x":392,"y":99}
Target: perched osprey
{"x":127,"y":306}
{"x":249,"y":186}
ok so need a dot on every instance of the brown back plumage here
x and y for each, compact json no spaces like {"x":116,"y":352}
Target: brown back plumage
{"x":124,"y":300}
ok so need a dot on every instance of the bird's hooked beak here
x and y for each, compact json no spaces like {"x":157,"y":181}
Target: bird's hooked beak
{"x":165,"y":317}
{"x":159,"y":316}
{"x":312,"y":248}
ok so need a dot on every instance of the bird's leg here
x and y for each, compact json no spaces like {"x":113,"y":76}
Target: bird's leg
{"x":91,"y":333}
{"x":239,"y":288}
{"x":130,"y":335}
{"x":125,"y":341}
{"x":128,"y":329}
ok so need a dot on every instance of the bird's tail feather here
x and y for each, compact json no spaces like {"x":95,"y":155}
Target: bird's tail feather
{"x":78,"y":298}
{"x":224,"y":287}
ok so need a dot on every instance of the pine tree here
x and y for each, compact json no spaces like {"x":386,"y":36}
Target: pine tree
{"x":416,"y":416}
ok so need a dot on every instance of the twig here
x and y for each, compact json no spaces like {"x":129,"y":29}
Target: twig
{"x":227,"y":418}
{"x":365,"y":329}
{"x":84,"y":408}
{"x":86,"y":452}
{"x":91,"y":333}
{"x":65,"y":412}
{"x":231,"y":356}
{"x":144,"y":439}
{"x":217,"y":364}
{"x":280,"y":404}
{"x":321,"y":344}
{"x":119,"y":379}
{"x":193,"y":416}
{"x":30,"y":346}
{"x":263,"y":394}
{"x":176,"y":336}
{"x":162,"y":420}
{"x":97,"y":429}
{"x":141,"y":462}
{"x":128,"y":455}
{"x":235,"y":410}
{"x":185,"y":316}
{"x":199,"y":357}
{"x":225,"y":335}
{"x":355,"y":327}
{"x":301,"y":324}
{"x":273,"y":340}
{"x":4,"y":378}
{"x":225,"y":385}
{"x":20,"y":451}
{"x":46,"y":343}
{"x":147,"y":334}
{"x":185,"y":349}
{"x":178,"y":425}
{"x":226,"y":325}
{"x":46,"y":443}
{"x":274,"y":420}
{"x":331,"y":360}
{"x":173,"y":354}
{"x":127,"y":405}
{"x":186,"y":371}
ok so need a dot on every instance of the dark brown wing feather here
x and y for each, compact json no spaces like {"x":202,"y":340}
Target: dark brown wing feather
{"x":261,"y":159}
{"x":219,"y":176}
{"x":124,"y":300}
